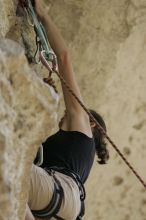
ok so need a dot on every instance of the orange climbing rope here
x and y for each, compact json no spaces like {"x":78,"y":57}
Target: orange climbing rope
{"x":47,"y":54}
{"x":54,"y":69}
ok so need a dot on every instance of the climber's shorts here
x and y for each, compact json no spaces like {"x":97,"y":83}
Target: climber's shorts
{"x":42,"y":188}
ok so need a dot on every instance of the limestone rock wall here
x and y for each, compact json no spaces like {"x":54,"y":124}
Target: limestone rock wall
{"x":27,"y":111}
{"x":26,"y":119}
{"x":107,"y":42}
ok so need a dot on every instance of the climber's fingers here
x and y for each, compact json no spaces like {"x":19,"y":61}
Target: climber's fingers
{"x":40,"y":8}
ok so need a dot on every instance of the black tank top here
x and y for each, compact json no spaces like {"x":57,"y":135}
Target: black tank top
{"x":71,"y":150}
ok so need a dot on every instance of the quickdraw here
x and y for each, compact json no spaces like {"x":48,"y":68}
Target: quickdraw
{"x":41,"y":36}
{"x":42,"y":43}
{"x":45,"y":53}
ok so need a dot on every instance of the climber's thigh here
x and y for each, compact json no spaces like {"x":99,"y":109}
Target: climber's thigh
{"x":71,"y":204}
{"x":41,"y":188}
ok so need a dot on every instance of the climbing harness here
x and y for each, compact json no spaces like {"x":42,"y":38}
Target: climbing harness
{"x":54,"y":206}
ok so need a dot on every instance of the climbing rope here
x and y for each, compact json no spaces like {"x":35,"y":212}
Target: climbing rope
{"x":46,"y":56}
{"x":54,"y":69}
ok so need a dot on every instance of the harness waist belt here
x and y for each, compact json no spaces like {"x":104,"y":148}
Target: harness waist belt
{"x":54,"y":206}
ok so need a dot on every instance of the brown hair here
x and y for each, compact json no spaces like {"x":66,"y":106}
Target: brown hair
{"x":100,"y":145}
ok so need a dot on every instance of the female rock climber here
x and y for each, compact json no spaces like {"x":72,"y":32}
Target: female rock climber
{"x":57,"y":187}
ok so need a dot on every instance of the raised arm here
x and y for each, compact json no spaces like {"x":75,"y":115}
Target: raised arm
{"x":77,"y":118}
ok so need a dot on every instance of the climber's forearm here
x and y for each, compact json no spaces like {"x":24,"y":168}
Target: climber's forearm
{"x":64,"y":62}
{"x":65,"y":66}
{"x":55,"y":39}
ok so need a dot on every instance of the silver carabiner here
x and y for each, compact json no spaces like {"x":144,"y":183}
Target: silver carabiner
{"x":46,"y":63}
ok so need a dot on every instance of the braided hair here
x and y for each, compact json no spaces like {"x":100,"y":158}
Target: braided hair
{"x":100,"y":145}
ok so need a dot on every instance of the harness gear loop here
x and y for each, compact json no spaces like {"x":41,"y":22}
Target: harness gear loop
{"x":44,"y":62}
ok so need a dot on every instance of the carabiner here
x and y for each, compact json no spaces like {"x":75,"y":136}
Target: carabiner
{"x":43,"y":58}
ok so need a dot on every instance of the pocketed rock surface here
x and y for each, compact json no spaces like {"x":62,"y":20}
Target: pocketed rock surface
{"x":107,"y":42}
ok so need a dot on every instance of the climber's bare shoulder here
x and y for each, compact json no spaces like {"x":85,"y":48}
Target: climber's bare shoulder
{"x":76,"y":122}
